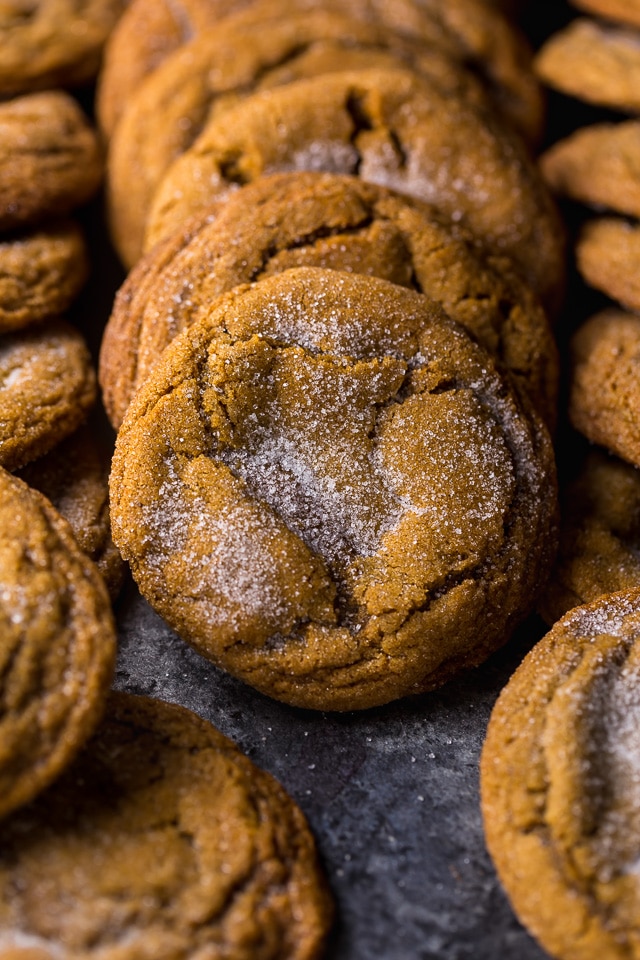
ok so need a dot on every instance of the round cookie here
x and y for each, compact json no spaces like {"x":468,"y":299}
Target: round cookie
{"x":559,"y":783}
{"x":162,"y":842}
{"x":595,"y":62}
{"x":47,"y":387}
{"x":50,"y":161}
{"x":326,"y":488}
{"x":388,"y":127}
{"x":607,"y":253}
{"x":599,"y":550}
{"x":605,"y":382}
{"x":324,"y":220}
{"x":223,"y":65}
{"x":74,"y":476}
{"x":625,"y":11}
{"x":57,"y":646}
{"x":474,"y":35}
{"x":53,"y":43}
{"x":41,"y":273}
{"x":597,"y":165}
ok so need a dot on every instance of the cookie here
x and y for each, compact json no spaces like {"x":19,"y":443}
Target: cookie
{"x":624,"y":11}
{"x":47,"y":387}
{"x":597,"y":165}
{"x":221,"y":66}
{"x":51,"y":161}
{"x":328,"y":490}
{"x":324,"y":220}
{"x":559,"y":782}
{"x":599,"y":535}
{"x":162,"y":841}
{"x":388,"y":127}
{"x":607,"y":253}
{"x":595,"y":62}
{"x":57,"y":649}
{"x":53,"y":43}
{"x":41,"y":273}
{"x":604,"y":385}
{"x":474,"y":35}
{"x":74,"y":476}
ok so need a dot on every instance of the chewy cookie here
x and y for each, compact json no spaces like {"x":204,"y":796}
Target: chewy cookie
{"x":47,"y":387}
{"x":50,"y":161}
{"x":53,"y":43}
{"x":559,"y":779}
{"x":74,"y":476}
{"x":472,"y":34}
{"x":605,"y":382}
{"x":324,"y":220}
{"x":223,"y":65}
{"x":41,"y":273}
{"x":595,"y":62}
{"x":626,"y":11}
{"x":607,"y":254}
{"x":599,"y":549}
{"x":57,"y":646}
{"x":597,"y":165}
{"x":388,"y":127}
{"x":327,"y":489}
{"x":162,"y":842}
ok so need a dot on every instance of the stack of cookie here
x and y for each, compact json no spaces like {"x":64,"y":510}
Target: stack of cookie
{"x":331,"y":371}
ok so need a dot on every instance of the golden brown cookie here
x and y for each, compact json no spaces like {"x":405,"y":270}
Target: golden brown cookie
{"x":328,"y":490}
{"x":53,"y":43}
{"x":41,"y":273}
{"x":595,"y":62}
{"x":388,"y":127}
{"x":607,"y":254}
{"x":162,"y":842}
{"x":47,"y":387}
{"x":599,"y":549}
{"x":57,"y":646}
{"x":624,"y":11}
{"x":74,"y":476}
{"x":50,"y":161}
{"x":605,"y":382}
{"x":559,"y":779}
{"x":323,"y":220}
{"x":223,"y":65}
{"x":597,"y":165}
{"x":475,"y":35}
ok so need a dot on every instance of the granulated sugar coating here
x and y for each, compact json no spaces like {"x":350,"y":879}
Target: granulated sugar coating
{"x":561,"y":783}
{"x":326,"y":487}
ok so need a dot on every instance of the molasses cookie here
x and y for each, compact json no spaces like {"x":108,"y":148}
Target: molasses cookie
{"x":625,"y":11}
{"x":324,"y":220}
{"x":599,"y":549}
{"x":597,"y":165}
{"x":326,"y":488}
{"x":388,"y":127}
{"x":53,"y":43}
{"x":595,"y":62}
{"x":50,"y":161}
{"x":221,"y":66}
{"x":57,"y":645}
{"x":559,"y":779}
{"x":74,"y":476}
{"x":162,"y":842}
{"x":605,"y":382}
{"x":607,"y":254}
{"x":474,"y":35}
{"x":41,"y":273}
{"x":47,"y":387}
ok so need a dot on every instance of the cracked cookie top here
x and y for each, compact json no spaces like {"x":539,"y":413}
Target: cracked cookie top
{"x":560,"y":778}
{"x":323,"y":220}
{"x":162,"y":842}
{"x":326,"y":487}
{"x":388,"y":127}
{"x":57,"y":644}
